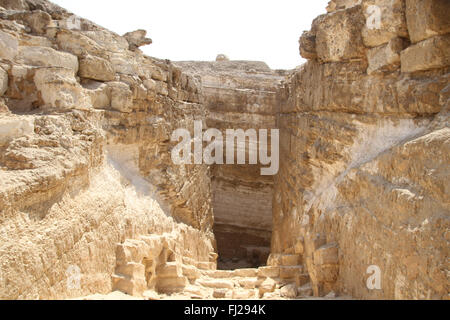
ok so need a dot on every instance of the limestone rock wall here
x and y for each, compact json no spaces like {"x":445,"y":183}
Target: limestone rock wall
{"x":240,"y":95}
{"x":85,"y":128}
{"x":365,"y":151}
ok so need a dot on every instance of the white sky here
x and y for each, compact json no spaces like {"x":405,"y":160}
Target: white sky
{"x":200,"y":29}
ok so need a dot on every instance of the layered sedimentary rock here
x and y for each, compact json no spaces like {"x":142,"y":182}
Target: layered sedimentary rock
{"x":363,"y":183}
{"x":85,"y":128}
{"x":240,"y":95}
{"x":90,"y":201}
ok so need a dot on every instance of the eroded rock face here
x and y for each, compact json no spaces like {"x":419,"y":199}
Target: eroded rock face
{"x":358,"y":189}
{"x":240,"y":95}
{"x":85,"y":155}
{"x":137,"y":39}
{"x":91,"y":202}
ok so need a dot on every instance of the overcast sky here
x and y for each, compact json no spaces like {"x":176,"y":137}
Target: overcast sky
{"x":200,"y":29}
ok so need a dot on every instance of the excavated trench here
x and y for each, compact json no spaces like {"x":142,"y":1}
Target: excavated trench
{"x":88,"y":185}
{"x":240,"y":95}
{"x":243,"y":217}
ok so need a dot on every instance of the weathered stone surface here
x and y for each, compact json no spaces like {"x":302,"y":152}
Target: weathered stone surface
{"x":338,"y":35}
{"x":290,"y":260}
{"x":14,"y":4}
{"x":38,"y":21}
{"x":59,"y":89}
{"x":385,"y":20}
{"x":341,"y":4}
{"x":84,"y":173}
{"x":429,"y":54}
{"x":99,"y":93}
{"x":308,"y":45}
{"x":269,"y":272}
{"x":341,"y":133}
{"x":3,"y":81}
{"x":427,"y":18}
{"x":300,"y":246}
{"x":121,"y":96}
{"x":327,"y":254}
{"x":268,"y":285}
{"x":78,"y":44}
{"x":222,"y":57}
{"x":137,"y":39}
{"x":14,"y":127}
{"x":96,"y":68}
{"x":8,"y":46}
{"x":47,"y":57}
{"x":385,"y":57}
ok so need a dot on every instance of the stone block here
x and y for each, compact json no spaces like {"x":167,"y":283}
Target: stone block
{"x":248,"y":283}
{"x":121,"y":96}
{"x":128,"y":286}
{"x":245,"y":272}
{"x":308,"y":45}
{"x":3,"y":81}
{"x":427,"y":18}
{"x":327,"y":254}
{"x":385,"y":57}
{"x":132,"y":270}
{"x":290,"y":272}
{"x":96,"y":68}
{"x":290,"y":260}
{"x":289,"y":291}
{"x":8,"y":46}
{"x":274,"y":259}
{"x":269,"y":272}
{"x":338,"y":35}
{"x":169,"y":270}
{"x":47,"y":57}
{"x":384,"y":20}
{"x":59,"y":90}
{"x":428,"y":54}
